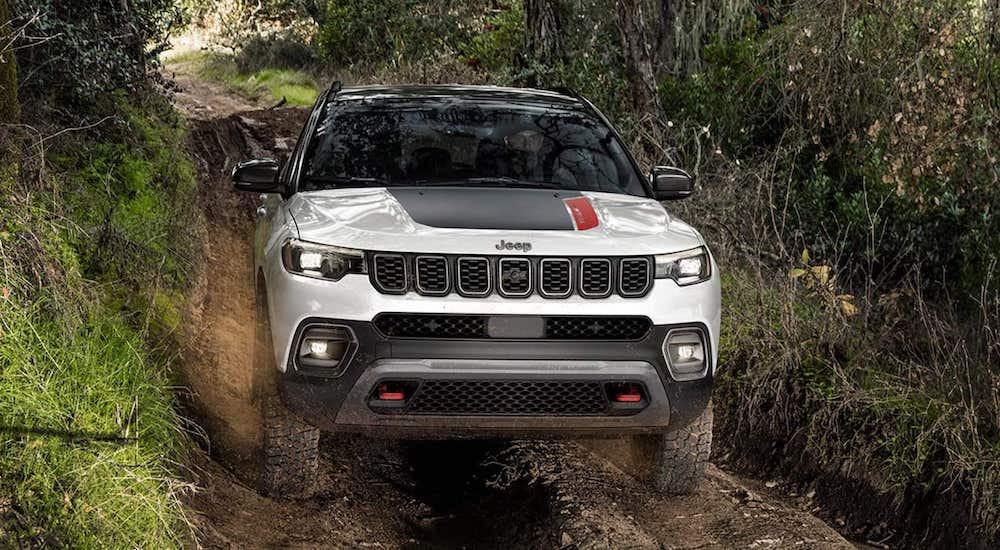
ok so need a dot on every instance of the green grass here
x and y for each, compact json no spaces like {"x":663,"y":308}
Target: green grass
{"x":297,"y":87}
{"x":94,"y":259}
{"x":92,"y":381}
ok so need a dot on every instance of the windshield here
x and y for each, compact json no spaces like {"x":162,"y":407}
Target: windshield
{"x":465,"y":143}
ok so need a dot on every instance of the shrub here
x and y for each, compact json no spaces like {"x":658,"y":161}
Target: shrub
{"x":77,"y":50}
{"x":497,"y":47}
{"x":275,"y":51}
{"x":903,"y":391}
{"x":911,"y":184}
{"x":373,"y":32}
{"x":848,"y":110}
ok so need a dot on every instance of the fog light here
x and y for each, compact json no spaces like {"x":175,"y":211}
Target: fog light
{"x":326,"y":347}
{"x":319,"y":348}
{"x":685,"y":353}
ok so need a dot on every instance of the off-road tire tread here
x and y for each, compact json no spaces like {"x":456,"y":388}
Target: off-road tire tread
{"x":680,"y":456}
{"x":291,"y":452}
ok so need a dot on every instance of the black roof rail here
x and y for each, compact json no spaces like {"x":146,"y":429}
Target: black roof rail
{"x":564,"y":90}
{"x":334,"y":88}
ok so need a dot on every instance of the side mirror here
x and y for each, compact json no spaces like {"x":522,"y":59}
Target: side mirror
{"x":258,"y":176}
{"x":671,"y":183}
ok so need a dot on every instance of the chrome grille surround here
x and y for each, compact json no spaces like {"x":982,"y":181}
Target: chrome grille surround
{"x":555,"y":277}
{"x":390,"y":274}
{"x":635,"y":276}
{"x":432,"y":275}
{"x":594,"y":282}
{"x":481,"y":282}
{"x":506,"y":283}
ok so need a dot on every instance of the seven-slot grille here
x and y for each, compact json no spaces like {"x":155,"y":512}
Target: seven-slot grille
{"x":511,"y":276}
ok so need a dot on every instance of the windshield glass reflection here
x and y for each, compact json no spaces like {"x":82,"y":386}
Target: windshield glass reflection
{"x":455,"y":142}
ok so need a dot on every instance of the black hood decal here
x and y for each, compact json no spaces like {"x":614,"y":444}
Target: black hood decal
{"x":488,"y":208}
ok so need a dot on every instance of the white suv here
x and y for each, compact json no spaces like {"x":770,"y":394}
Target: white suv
{"x":471,"y":262}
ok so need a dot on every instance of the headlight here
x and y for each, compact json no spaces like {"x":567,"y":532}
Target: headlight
{"x":686,"y":268}
{"x":321,"y":261}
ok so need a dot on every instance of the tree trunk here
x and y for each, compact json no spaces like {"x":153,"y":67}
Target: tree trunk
{"x":993,"y":24}
{"x":10,"y":108}
{"x":543,"y":33}
{"x":316,"y":10}
{"x":665,"y":36}
{"x":638,"y":41}
{"x":647,"y":32}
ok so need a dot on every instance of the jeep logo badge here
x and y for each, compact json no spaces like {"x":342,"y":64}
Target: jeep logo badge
{"x":504,"y":245}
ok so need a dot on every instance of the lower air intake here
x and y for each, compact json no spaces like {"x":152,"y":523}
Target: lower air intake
{"x":406,"y":325}
{"x":508,"y":398}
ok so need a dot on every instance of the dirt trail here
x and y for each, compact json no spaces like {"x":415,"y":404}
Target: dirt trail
{"x":386,"y":494}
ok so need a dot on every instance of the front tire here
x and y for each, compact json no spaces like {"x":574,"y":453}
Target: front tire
{"x":675,"y":461}
{"x":289,"y":446}
{"x":291,"y":452}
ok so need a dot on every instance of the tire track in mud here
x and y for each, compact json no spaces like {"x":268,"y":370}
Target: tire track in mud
{"x":388,"y":494}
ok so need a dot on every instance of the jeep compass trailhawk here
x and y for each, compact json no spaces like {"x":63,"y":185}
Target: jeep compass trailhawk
{"x":473,"y":262}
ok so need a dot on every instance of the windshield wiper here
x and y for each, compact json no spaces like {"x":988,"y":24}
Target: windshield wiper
{"x":502,"y":181}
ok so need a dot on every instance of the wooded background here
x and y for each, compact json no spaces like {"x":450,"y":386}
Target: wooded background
{"x":846,"y":161}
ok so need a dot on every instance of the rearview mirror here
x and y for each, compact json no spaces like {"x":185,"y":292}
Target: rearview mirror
{"x":258,"y":176}
{"x":671,"y":183}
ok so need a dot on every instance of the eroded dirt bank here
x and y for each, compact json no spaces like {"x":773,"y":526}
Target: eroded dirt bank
{"x":386,"y":494}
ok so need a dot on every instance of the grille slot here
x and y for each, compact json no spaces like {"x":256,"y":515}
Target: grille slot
{"x":390,"y":273}
{"x":432,"y":275}
{"x":508,"y":398}
{"x":473,"y":276}
{"x":409,"y":325}
{"x":515,"y":277}
{"x":596,"y":328}
{"x":556,"y":280}
{"x":595,"y":277}
{"x":634,"y":277}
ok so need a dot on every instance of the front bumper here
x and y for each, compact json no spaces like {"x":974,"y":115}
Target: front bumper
{"x":344,"y":403}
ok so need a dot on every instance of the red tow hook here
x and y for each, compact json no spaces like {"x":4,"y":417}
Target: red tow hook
{"x":387,"y":393}
{"x":631,"y":393}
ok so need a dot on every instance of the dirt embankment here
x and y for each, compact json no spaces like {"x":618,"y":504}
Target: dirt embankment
{"x":386,"y":494}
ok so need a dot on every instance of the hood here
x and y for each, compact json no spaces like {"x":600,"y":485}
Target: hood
{"x":450,"y":220}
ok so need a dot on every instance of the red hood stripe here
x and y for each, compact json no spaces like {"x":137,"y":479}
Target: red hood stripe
{"x":582,"y":212}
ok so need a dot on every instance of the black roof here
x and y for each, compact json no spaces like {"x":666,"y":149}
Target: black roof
{"x":455,"y":91}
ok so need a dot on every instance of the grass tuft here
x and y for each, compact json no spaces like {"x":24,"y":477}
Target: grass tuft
{"x":271,"y":84}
